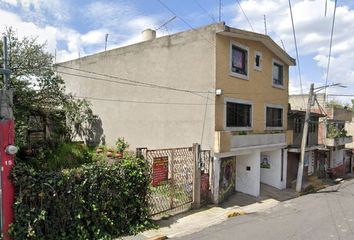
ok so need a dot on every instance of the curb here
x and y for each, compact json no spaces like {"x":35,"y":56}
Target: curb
{"x":158,"y":237}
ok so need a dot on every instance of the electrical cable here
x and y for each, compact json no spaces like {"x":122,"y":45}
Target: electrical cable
{"x":184,"y":21}
{"x":296,"y":49}
{"x":239,"y":4}
{"x":330,"y":44}
{"x":133,"y":81}
{"x":205,"y":11}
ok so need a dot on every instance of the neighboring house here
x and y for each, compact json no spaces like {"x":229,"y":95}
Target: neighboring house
{"x":332,"y":133}
{"x":219,"y":86}
{"x":349,"y":166}
{"x":314,"y":161}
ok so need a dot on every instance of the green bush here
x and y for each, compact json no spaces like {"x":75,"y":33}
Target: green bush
{"x":55,"y":156}
{"x":95,"y":201}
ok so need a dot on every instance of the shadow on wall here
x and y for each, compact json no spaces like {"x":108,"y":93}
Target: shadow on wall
{"x":92,"y":133}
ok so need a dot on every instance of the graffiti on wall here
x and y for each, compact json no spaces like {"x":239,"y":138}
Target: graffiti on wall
{"x":227,"y":177}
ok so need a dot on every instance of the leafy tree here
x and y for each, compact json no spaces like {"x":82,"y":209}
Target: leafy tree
{"x":334,"y":103}
{"x":38,"y":90}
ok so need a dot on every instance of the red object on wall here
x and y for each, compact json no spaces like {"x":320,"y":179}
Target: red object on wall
{"x":7,"y":136}
{"x":159,"y":170}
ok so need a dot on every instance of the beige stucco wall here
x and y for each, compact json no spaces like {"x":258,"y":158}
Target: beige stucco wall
{"x":349,"y":126}
{"x":299,"y":102}
{"x":258,"y":89}
{"x":185,"y":61}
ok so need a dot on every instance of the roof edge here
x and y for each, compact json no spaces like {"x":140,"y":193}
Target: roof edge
{"x":265,"y":39}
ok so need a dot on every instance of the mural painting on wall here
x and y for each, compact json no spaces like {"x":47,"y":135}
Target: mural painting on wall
{"x":265,"y":159}
{"x":227,"y":177}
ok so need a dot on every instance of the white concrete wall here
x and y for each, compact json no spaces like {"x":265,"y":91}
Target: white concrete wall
{"x":248,"y":181}
{"x":272,"y":176}
{"x":337,"y":158}
{"x":349,"y":126}
{"x":215,"y":179}
{"x":184,"y":61}
{"x":239,"y":141}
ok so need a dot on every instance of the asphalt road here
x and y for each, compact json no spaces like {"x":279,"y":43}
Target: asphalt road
{"x":328,"y":214}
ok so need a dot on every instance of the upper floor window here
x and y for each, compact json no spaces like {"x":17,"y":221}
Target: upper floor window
{"x":238,"y":115}
{"x":313,"y":125}
{"x":274,"y":117}
{"x":298,"y":125}
{"x":278,"y":71}
{"x":239,"y":60}
{"x":258,"y":61}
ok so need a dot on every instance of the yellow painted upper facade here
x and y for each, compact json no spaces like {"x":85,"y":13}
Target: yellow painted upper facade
{"x":256,"y":89}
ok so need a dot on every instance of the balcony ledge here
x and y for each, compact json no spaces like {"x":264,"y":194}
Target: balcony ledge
{"x":333,"y":142}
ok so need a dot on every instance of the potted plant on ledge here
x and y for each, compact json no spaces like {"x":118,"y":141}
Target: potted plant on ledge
{"x":121,"y":146}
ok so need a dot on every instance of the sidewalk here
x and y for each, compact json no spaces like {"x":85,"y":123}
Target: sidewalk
{"x":197,"y":220}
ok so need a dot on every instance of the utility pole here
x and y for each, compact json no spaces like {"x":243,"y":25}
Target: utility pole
{"x":304,"y":139}
{"x":7,"y":148}
{"x":6,"y":72}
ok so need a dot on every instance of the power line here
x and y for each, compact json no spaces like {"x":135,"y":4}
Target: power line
{"x":184,"y":21}
{"x":341,"y":95}
{"x":206,"y":12}
{"x":239,"y":4}
{"x":330,"y":44}
{"x":165,"y":23}
{"x":133,"y":81}
{"x":169,"y":103}
{"x":296,"y":49}
{"x":140,"y":102}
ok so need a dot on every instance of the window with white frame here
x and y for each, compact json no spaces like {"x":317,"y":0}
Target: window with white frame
{"x":258,"y":61}
{"x":238,"y":115}
{"x":278,"y":70}
{"x":274,"y":117}
{"x":239,"y":60}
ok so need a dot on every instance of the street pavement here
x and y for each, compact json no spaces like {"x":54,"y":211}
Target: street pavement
{"x":327,"y":214}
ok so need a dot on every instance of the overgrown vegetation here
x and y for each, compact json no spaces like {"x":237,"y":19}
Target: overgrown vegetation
{"x":39,"y":93}
{"x":334,"y":132}
{"x":338,"y":104}
{"x":63,"y":189}
{"x":52,"y":156}
{"x":96,"y":201}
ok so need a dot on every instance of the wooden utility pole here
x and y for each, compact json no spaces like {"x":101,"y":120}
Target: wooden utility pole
{"x":304,"y":139}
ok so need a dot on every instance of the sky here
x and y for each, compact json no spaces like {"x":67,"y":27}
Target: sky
{"x":78,"y":28}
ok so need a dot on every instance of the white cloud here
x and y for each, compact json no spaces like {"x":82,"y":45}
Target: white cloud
{"x":93,"y":37}
{"x":11,"y":2}
{"x":45,"y":20}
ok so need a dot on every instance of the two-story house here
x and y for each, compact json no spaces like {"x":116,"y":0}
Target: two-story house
{"x":332,"y":133}
{"x":349,"y":126}
{"x":314,"y":162}
{"x":222,"y":87}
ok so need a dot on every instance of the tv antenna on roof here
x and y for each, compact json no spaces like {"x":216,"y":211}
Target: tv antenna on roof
{"x":167,"y":22}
